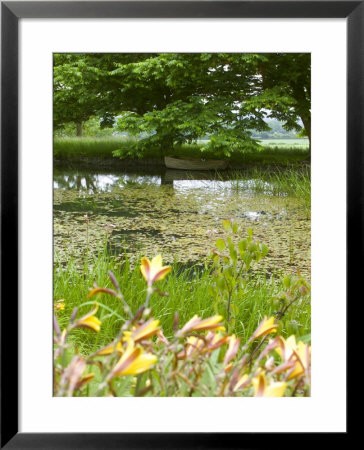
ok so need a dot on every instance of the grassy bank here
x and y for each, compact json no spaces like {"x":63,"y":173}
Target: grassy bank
{"x":278,"y":182}
{"x":282,"y":152}
{"x":189,"y":294}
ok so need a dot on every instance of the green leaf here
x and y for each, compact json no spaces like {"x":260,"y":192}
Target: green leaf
{"x":216,"y":260}
{"x":305,"y":338}
{"x":233,"y":254}
{"x":287,"y":281}
{"x":243,"y":244}
{"x":234,"y":309}
{"x":226,"y":261}
{"x":264,"y":249}
{"x":226,"y":224}
{"x":252,"y":247}
{"x":212,"y":290}
{"x":221,"y":284}
{"x":228,"y":273}
{"x":220,"y":244}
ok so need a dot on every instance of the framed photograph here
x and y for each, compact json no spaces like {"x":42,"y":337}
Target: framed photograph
{"x":184,"y":180}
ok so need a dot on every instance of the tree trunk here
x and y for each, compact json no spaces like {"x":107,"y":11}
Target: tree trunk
{"x":165,"y":182}
{"x":307,"y":124}
{"x":167,"y":144}
{"x":79,"y":129}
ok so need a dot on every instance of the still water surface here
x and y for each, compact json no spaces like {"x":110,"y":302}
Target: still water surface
{"x":176,"y":213}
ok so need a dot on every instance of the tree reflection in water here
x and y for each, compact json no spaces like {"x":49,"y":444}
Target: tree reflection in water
{"x":81,"y":182}
{"x":93,"y":183}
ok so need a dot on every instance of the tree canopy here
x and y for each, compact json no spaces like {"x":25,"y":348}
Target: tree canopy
{"x":166,"y":99}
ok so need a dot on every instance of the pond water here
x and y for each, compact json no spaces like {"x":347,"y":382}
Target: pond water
{"x":176,"y":213}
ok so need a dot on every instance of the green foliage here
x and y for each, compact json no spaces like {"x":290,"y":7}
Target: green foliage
{"x":189,"y":294}
{"x":289,"y":80}
{"x":74,"y":81}
{"x":198,"y":358}
{"x":295,"y":292}
{"x":166,"y":100}
{"x":90,"y":128}
{"x":231,"y":262}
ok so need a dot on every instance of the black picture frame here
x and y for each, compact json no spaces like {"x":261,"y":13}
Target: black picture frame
{"x":11,"y":12}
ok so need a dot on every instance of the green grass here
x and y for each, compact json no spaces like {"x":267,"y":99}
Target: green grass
{"x":280,"y":151}
{"x":294,"y":181}
{"x":188,"y":291}
{"x":73,"y":147}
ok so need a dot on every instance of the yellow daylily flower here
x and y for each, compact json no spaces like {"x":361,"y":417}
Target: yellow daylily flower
{"x":265,"y":327}
{"x":198,"y":324}
{"x":286,"y":347}
{"x":127,"y":336}
{"x":242,"y":382}
{"x":109,"y":349}
{"x":207,"y":344}
{"x":289,"y":350}
{"x":303,"y":352}
{"x":269,"y":364}
{"x":133,"y":362}
{"x":193,"y":344}
{"x":232,"y":350}
{"x":72,"y":377}
{"x":262,"y":389}
{"x":153,"y":270}
{"x":89,"y":320}
{"x":215,"y":340}
{"x":276,"y":389}
{"x":84,"y":380}
{"x":210,"y":323}
{"x":145,"y":331}
{"x":296,"y":372}
{"x":60,"y":305}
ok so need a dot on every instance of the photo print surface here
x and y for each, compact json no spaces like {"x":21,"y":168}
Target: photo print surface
{"x":182,"y":224}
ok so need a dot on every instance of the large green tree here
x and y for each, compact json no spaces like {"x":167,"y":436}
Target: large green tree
{"x":73,"y":99}
{"x":287,"y":80}
{"x":83,"y":87}
{"x":168,"y":99}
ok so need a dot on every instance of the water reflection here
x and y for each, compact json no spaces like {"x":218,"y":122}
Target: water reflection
{"x":176,"y":213}
{"x":93,"y":183}
{"x":180,"y":180}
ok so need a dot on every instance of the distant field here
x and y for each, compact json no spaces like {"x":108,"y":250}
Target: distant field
{"x":302,"y":142}
{"x":298,"y":142}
